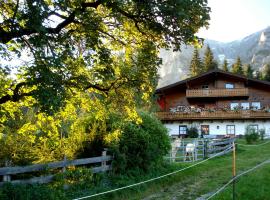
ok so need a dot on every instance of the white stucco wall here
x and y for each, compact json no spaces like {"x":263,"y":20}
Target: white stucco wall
{"x":240,"y":126}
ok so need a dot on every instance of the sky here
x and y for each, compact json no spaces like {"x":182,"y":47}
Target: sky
{"x":235,"y":19}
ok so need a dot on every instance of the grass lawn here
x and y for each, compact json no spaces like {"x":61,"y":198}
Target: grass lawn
{"x":205,"y":178}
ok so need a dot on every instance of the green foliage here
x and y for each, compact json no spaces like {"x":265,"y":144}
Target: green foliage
{"x":209,"y":63}
{"x":101,"y":46}
{"x":225,"y":65}
{"x":141,"y":146}
{"x":251,"y":135}
{"x":266,"y":72}
{"x":237,"y":67}
{"x":22,"y":192}
{"x":196,"y":66}
{"x":82,"y":178}
{"x":193,"y":132}
{"x":258,"y":75}
{"x":248,"y":71}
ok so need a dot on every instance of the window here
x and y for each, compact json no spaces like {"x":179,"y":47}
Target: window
{"x":230,"y":129}
{"x":205,"y":87}
{"x":205,"y":129}
{"x":229,"y":85}
{"x":234,"y":106}
{"x":256,"y":105}
{"x":182,"y":130}
{"x":245,"y":106}
{"x":254,"y":127}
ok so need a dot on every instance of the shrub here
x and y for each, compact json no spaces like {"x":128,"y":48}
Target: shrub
{"x":22,"y":192}
{"x":141,"y":146}
{"x":251,"y":135}
{"x":192,"y":132}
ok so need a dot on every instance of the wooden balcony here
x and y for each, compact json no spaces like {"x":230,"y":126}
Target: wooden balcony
{"x":242,"y":114}
{"x":219,"y":92}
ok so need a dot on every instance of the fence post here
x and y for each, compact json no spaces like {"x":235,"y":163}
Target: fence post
{"x":65,"y":163}
{"x":103,"y":163}
{"x":6,"y":178}
{"x":205,"y":149}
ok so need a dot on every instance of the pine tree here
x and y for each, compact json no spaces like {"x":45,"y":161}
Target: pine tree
{"x":258,"y":75}
{"x":237,"y":67}
{"x":266,"y":72}
{"x":225,"y":65}
{"x":195,"y":64}
{"x":248,"y":71}
{"x":209,"y":62}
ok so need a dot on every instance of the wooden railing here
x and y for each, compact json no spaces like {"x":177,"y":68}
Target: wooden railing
{"x":217,"y":92}
{"x":241,"y":114}
{"x":6,"y":172}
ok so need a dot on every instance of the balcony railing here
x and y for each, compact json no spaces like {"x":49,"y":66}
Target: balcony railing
{"x":217,"y":92}
{"x":240,"y":114}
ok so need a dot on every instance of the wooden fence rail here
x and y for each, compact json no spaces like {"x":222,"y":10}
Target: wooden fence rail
{"x":6,"y":172}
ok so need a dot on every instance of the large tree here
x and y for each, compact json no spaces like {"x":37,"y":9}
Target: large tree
{"x":97,"y":45}
{"x":225,"y":65}
{"x":209,"y":62}
{"x":237,"y":67}
{"x":196,"y":65}
{"x":266,"y":72}
{"x":248,"y":71}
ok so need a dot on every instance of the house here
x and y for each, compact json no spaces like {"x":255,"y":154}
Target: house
{"x":218,"y":103}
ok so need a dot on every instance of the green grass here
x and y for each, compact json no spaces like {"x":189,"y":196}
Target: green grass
{"x":189,"y":184}
{"x":196,"y":181}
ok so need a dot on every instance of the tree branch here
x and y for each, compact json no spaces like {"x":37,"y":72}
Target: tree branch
{"x":6,"y":36}
{"x":16,"y":96}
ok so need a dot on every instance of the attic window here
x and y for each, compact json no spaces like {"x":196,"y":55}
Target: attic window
{"x":229,"y":85}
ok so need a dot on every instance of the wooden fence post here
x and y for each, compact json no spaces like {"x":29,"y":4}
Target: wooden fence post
{"x":6,"y":178}
{"x":65,"y":163}
{"x":103,"y":163}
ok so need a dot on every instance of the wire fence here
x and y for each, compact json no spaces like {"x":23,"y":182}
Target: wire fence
{"x":153,"y":179}
{"x":238,"y":176}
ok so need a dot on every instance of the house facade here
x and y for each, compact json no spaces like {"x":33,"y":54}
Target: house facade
{"x":218,"y":103}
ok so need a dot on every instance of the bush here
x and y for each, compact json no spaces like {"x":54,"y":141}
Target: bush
{"x":22,"y":192}
{"x":141,"y":146}
{"x":251,"y":135}
{"x":192,"y":132}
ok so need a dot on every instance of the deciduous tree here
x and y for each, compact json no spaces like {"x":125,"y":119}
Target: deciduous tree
{"x":98,"y":45}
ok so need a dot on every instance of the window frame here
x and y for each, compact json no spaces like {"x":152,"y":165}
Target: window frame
{"x":257,"y":107}
{"x":233,"y":108}
{"x":229,"y":88}
{"x":227,"y":129}
{"x":182,"y":126}
{"x":245,"y":108}
{"x":208,"y":129}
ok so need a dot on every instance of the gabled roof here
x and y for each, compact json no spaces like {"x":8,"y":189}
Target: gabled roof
{"x":212,"y":73}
